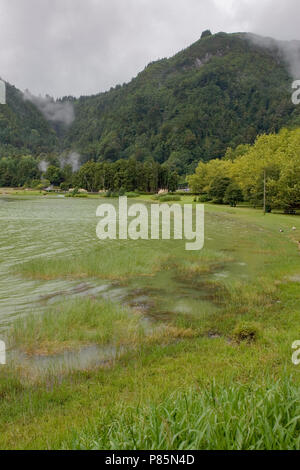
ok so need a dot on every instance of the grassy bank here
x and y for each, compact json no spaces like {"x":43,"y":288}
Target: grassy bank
{"x":206,"y":358}
{"x":235,"y":417}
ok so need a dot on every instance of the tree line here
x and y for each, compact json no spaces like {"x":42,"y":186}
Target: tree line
{"x":127,"y":175}
{"x":271,"y":166}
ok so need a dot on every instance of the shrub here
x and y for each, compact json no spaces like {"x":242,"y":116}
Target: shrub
{"x":169,"y":197}
{"x":204,"y":198}
{"x":246,"y":331}
{"x":111,"y":194}
{"x":64,"y":186}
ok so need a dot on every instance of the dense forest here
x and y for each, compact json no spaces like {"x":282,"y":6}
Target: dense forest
{"x":220,"y":92}
{"x":23,"y":128}
{"x":122,"y":175}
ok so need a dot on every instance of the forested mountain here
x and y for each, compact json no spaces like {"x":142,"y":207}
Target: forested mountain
{"x":23,"y":128}
{"x":220,"y":92}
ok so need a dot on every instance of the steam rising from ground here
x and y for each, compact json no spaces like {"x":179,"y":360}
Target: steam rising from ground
{"x":43,"y":166}
{"x":288,"y":51}
{"x":55,"y":111}
{"x":72,"y":159}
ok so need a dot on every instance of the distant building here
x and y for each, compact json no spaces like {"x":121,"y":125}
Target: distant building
{"x":183,"y":187}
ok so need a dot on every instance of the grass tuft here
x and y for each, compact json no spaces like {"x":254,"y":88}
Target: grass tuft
{"x":236,"y":417}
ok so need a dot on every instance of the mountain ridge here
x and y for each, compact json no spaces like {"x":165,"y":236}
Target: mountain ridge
{"x":221,"y":91}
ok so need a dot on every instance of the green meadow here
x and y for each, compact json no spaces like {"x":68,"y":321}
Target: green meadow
{"x":141,"y":344}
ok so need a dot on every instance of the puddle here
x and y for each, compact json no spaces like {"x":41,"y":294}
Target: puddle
{"x":87,"y":357}
{"x":222,"y":275}
{"x":84,"y":358}
{"x":213,"y":335}
{"x":295,"y":278}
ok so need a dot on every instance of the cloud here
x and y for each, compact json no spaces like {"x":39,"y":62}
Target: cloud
{"x":288,"y":51}
{"x":79,"y":47}
{"x":53,"y":110}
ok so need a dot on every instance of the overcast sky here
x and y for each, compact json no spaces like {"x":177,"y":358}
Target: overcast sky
{"x":80,"y":47}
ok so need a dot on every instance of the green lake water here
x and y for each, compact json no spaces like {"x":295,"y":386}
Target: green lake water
{"x":57,"y":226}
{"x":35,"y":227}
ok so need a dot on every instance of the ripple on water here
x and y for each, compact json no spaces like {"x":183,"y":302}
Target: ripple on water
{"x":41,"y":227}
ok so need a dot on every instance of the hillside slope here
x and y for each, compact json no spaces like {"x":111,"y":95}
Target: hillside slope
{"x":23,"y":129}
{"x":221,"y":91}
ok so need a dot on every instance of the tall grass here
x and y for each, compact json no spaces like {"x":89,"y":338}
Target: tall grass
{"x":114,"y":261}
{"x":237,"y":417}
{"x":75,"y":322}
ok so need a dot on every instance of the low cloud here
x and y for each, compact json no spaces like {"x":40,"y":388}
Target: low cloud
{"x":288,"y":51}
{"x":82,"y":47}
{"x":291,"y":53}
{"x":53,"y":110}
